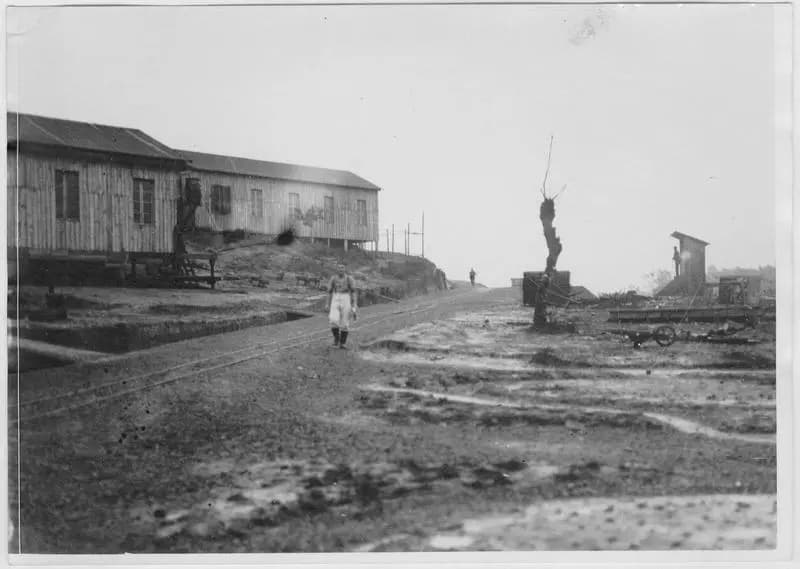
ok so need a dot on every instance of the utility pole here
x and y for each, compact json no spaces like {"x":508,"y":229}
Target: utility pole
{"x":409,"y":233}
{"x":387,"y":239}
{"x":393,"y":238}
{"x":423,"y":234}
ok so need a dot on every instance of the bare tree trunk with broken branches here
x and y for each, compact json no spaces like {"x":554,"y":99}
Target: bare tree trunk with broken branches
{"x":547,"y":214}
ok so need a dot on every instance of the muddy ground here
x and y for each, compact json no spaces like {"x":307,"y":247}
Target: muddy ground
{"x":456,"y":429}
{"x":259,"y":286}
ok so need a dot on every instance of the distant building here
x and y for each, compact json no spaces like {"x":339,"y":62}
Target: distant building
{"x":692,"y":275}
{"x":581,"y":293}
{"x":257,"y":196}
{"x":740,"y":289}
{"x":107,"y":194}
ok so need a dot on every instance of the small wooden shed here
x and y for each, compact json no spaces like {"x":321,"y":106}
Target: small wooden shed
{"x":692,"y":267}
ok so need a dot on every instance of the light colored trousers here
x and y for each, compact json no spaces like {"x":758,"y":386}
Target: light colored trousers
{"x":340,"y":311}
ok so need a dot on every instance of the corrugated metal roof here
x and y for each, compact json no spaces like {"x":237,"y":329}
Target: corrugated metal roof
{"x":276,"y":170}
{"x":34,"y":129}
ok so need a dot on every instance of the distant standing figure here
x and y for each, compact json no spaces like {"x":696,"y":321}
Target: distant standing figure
{"x":472,"y":276}
{"x":341,"y":305}
{"x":676,"y":257}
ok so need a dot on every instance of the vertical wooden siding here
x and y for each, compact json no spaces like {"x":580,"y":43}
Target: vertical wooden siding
{"x":276,"y":215}
{"x":106,"y":206}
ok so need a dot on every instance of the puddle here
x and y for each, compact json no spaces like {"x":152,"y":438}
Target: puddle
{"x":646,"y":523}
{"x":266,"y":494}
{"x":460,"y":361}
{"x":681,"y":392}
{"x":519,"y":362}
{"x":449,"y":542}
{"x":381,"y":543}
{"x":446,"y":397}
{"x":692,"y":428}
{"x":467,"y":339}
{"x":562,"y":414}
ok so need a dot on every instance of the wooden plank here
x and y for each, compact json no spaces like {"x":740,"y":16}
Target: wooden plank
{"x":83,"y":208}
{"x":30,"y":219}
{"x":36,"y":211}
{"x":93,"y":211}
{"x":109,"y":212}
{"x":48,"y":191}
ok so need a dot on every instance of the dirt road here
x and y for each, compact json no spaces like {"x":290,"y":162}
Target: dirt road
{"x":446,"y":426}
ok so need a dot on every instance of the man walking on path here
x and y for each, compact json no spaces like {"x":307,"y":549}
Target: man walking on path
{"x":472,"y":276}
{"x":341,"y":305}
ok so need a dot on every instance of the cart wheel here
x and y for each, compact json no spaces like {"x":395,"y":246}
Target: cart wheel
{"x":664,"y":335}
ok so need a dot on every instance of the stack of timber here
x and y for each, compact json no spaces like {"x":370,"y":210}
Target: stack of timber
{"x":692,"y":314}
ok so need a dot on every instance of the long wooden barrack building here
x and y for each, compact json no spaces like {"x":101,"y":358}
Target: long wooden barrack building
{"x":257,"y":196}
{"x":84,"y":191}
{"x":76,"y":187}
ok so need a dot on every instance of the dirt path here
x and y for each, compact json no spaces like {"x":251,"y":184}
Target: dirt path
{"x":288,"y":452}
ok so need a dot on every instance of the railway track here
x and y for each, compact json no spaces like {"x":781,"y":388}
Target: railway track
{"x":56,"y":404}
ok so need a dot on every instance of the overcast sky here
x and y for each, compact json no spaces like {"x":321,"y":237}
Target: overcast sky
{"x":662,"y":115}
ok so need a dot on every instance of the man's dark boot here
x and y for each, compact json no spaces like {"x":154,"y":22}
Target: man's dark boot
{"x":336,"y":336}
{"x":342,"y":339}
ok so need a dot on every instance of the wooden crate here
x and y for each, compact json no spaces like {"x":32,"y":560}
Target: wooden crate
{"x":557,"y":293}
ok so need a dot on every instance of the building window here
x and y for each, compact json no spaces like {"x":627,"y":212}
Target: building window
{"x":257,"y":203}
{"x":143,"y":201}
{"x":194,"y":192}
{"x":329,"y":209}
{"x":221,"y":199}
{"x":362,"y":212}
{"x":67,"y":195}
{"x":294,"y":206}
